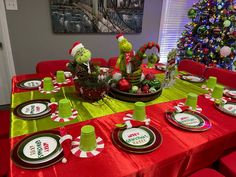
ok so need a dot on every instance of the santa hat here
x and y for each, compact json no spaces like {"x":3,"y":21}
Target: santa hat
{"x":76,"y":46}
{"x":120,"y":37}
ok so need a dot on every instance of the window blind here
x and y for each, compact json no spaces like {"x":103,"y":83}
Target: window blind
{"x":173,"y":19}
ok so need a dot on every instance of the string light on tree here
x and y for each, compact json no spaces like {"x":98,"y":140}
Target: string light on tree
{"x":210,"y":36}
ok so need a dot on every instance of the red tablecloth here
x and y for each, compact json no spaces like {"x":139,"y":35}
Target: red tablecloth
{"x":181,"y":151}
{"x":165,"y":161}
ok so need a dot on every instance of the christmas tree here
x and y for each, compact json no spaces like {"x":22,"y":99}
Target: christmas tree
{"x":210,"y":37}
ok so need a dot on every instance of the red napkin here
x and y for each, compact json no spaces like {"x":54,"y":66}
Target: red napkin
{"x":65,"y":142}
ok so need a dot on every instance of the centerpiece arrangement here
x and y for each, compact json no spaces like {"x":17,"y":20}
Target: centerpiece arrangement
{"x":128,"y":81}
{"x":90,"y":82}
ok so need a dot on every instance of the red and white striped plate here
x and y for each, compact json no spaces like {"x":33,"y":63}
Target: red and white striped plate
{"x":55,"y":116}
{"x":86,"y":154}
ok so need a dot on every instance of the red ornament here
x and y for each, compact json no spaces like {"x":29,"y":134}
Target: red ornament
{"x":205,"y":51}
{"x":145,"y":89}
{"x":124,"y":85}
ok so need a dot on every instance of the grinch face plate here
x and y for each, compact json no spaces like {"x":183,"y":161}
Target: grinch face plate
{"x":138,"y":139}
{"x":189,"y":120}
{"x":228,"y":108}
{"x":29,"y":84}
{"x":34,"y":109}
{"x":230,"y":93}
{"x":192,"y":78}
{"x":38,"y":150}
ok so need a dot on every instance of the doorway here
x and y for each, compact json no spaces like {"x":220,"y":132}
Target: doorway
{"x":7,"y":68}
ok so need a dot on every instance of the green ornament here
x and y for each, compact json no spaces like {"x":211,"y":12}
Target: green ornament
{"x":155,"y":83}
{"x":189,"y":52}
{"x":201,"y":29}
{"x":152,"y":90}
{"x":212,"y":55}
{"x":192,"y":13}
{"x":227,"y":23}
{"x":134,"y":89}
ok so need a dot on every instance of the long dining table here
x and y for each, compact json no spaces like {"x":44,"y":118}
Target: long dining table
{"x":180,"y":153}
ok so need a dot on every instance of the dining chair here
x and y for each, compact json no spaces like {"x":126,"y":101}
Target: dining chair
{"x":5,"y":156}
{"x":192,"y":67}
{"x":99,"y":61}
{"x":51,"y":66}
{"x":5,"y":123}
{"x":225,"y":77}
{"x":112,"y":62}
{"x":206,"y":172}
{"x":227,"y":164}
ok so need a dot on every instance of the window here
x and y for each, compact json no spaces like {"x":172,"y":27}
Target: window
{"x":173,"y":19}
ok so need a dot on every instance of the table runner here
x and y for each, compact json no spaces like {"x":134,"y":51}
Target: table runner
{"x":106,"y":106}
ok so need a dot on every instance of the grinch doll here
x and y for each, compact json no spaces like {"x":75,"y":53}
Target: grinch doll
{"x":81,"y":55}
{"x":170,"y":69}
{"x":126,"y":53}
{"x":89,"y":83}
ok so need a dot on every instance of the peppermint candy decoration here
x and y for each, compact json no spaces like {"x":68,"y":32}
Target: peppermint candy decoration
{"x":86,"y":154}
{"x":223,"y":99}
{"x":55,"y":90}
{"x":131,"y":122}
{"x":182,"y":107}
{"x":67,"y":81}
{"x":55,"y":116}
{"x":206,"y":88}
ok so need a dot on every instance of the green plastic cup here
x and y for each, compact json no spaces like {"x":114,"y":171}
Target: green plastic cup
{"x":88,"y":138}
{"x":192,"y":100}
{"x":139,"y":111}
{"x":211,"y":82}
{"x":64,"y":108}
{"x":60,"y":78}
{"x":217,"y":92}
{"x":47,"y":84}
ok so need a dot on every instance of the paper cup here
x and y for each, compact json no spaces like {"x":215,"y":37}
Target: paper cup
{"x":88,"y":138}
{"x":217,"y":92}
{"x":139,"y":111}
{"x":60,"y":77}
{"x":191,"y":100}
{"x":47,"y":84}
{"x":64,"y":108}
{"x":211,"y":82}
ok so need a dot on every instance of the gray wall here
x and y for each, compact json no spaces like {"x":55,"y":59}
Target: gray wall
{"x":32,"y":38}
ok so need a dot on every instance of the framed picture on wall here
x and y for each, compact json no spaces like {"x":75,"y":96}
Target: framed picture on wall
{"x":97,"y":16}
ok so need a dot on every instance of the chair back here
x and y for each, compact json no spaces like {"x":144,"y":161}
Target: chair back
{"x":51,"y":66}
{"x":112,"y":62}
{"x":192,"y":67}
{"x":99,"y":62}
{"x":225,"y":77}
